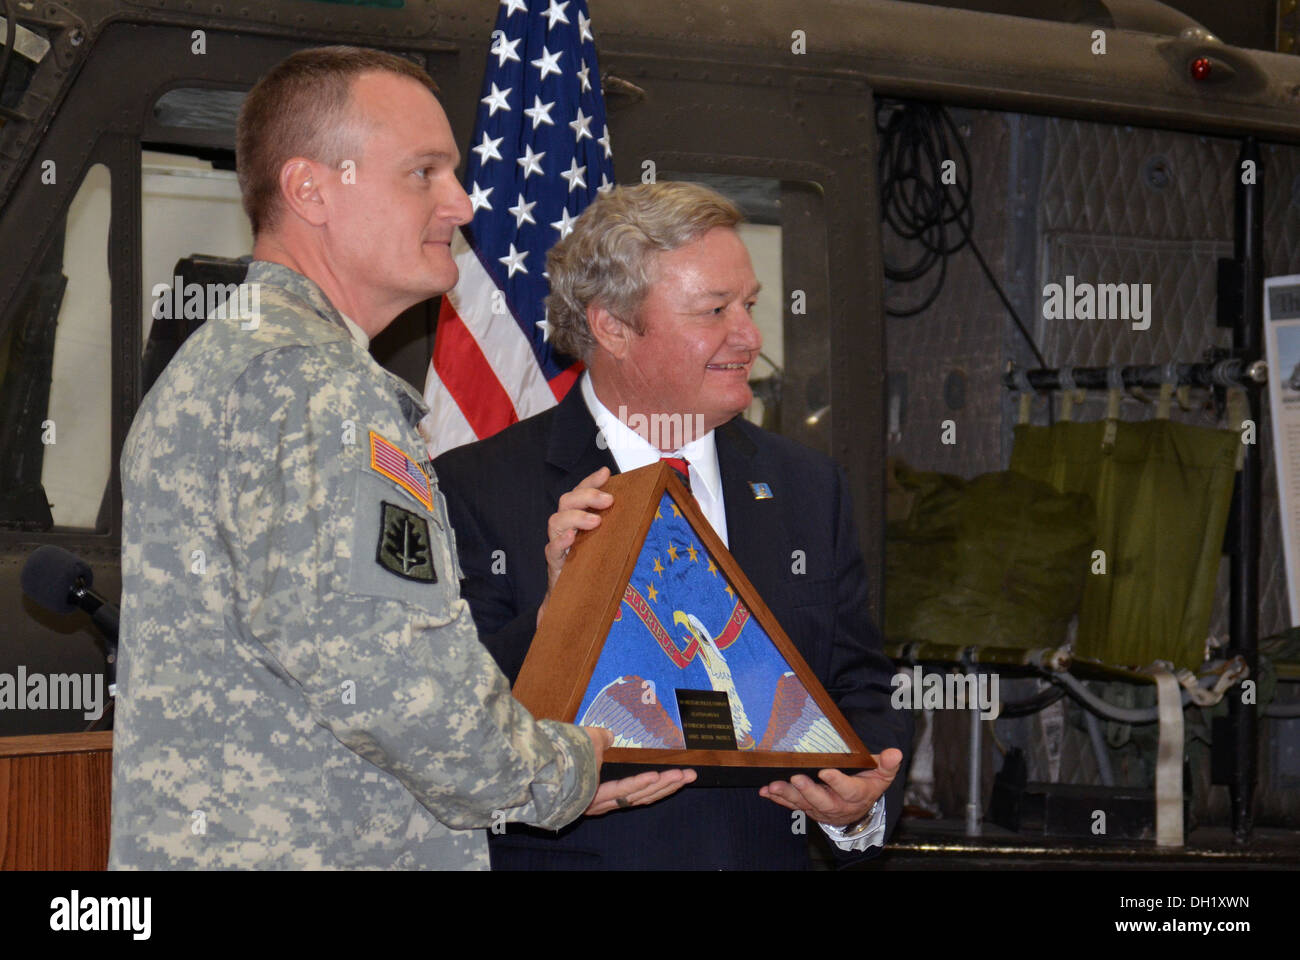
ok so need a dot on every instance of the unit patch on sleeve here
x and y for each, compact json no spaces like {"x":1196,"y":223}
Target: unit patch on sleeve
{"x":404,"y":545}
{"x":386,"y":458}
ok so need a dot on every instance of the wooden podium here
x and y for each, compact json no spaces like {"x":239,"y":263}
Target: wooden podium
{"x":54,"y":801}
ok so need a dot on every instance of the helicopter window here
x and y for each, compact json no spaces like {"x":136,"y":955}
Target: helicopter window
{"x":199,"y":108}
{"x":188,"y":208}
{"x":57,"y":389}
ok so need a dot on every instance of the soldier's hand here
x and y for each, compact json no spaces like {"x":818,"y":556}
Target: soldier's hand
{"x":638,"y":791}
{"x":573,"y":513}
{"x":601,"y":740}
{"x":634,"y":791}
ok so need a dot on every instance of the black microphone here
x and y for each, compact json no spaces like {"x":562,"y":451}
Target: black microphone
{"x":61,"y":582}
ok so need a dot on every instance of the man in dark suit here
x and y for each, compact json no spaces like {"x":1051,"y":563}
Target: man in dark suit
{"x":654,"y":290}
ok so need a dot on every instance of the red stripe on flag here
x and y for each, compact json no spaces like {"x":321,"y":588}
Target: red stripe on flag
{"x":468,"y":376}
{"x":562,"y":381}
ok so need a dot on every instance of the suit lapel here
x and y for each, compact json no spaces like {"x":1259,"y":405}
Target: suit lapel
{"x":756,"y":528}
{"x":751,"y":529}
{"x":572,"y":453}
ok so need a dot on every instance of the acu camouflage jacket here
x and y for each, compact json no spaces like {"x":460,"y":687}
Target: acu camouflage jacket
{"x":300,"y":682}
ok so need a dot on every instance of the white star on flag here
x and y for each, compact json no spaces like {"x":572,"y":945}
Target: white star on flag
{"x":548,"y":63}
{"x":478,"y":198}
{"x":584,"y":28}
{"x":513,"y":5}
{"x":540,"y":112}
{"x":531,"y":162}
{"x":522,"y":212}
{"x":555,"y":13}
{"x":506,"y":50}
{"x":582,"y":75}
{"x":545,"y":327}
{"x":603,"y":140}
{"x":565,"y":223}
{"x":514,"y":260}
{"x":605,"y":185}
{"x":487,"y":150}
{"x":574,"y":175}
{"x":496,"y":100}
{"x":581,"y":126}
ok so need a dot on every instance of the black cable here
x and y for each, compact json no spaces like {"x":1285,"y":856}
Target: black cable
{"x":1039,"y":701}
{"x":916,"y":139}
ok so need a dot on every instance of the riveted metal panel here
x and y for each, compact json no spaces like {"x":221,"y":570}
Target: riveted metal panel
{"x":413,"y":20}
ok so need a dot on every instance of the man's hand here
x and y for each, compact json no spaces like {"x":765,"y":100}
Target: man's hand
{"x":843,"y":800}
{"x":570,"y":516}
{"x":631,"y":791}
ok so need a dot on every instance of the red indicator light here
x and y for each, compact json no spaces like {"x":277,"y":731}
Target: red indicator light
{"x":1201,"y":68}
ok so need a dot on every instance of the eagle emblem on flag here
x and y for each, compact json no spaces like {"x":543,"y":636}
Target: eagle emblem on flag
{"x":681,"y":627}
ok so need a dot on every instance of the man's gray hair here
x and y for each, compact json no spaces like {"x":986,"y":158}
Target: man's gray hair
{"x":608,"y":258}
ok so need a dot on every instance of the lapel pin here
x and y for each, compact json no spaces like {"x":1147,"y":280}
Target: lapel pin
{"x":761,"y":490}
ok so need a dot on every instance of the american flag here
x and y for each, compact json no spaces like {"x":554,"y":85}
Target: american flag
{"x":540,"y":154}
{"x":398,"y":467}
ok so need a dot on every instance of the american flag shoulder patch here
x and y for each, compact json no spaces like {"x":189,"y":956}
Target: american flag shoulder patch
{"x":388,"y":459}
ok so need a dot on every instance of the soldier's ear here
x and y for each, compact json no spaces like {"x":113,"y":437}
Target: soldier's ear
{"x":300,"y":190}
{"x":612,"y":334}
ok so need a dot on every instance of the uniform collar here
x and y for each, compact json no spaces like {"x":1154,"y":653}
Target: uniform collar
{"x":305,"y":289}
{"x":295,"y":284}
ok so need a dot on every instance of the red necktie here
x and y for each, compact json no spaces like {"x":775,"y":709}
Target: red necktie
{"x":683,"y":470}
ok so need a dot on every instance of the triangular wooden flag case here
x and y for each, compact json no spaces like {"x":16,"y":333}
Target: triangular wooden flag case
{"x":653,"y":632}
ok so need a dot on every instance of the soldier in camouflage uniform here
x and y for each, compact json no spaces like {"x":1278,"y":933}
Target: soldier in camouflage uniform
{"x":300,"y":683}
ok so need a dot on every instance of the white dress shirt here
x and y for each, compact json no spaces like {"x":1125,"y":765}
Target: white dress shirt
{"x":631,"y":451}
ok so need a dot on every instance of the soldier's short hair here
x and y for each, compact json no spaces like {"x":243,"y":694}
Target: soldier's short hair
{"x":301,"y":109}
{"x":609,"y":257}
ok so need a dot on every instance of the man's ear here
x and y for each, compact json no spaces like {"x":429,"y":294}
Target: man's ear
{"x":612,"y":334}
{"x":300,"y":189}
